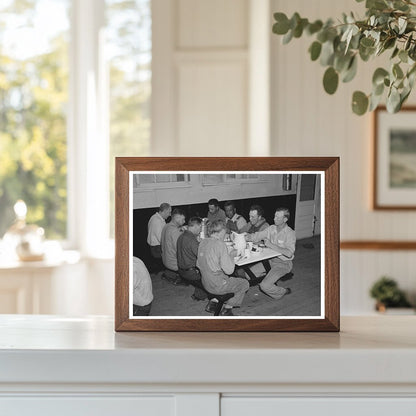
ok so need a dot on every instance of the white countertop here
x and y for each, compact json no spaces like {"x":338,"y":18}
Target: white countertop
{"x":46,"y":349}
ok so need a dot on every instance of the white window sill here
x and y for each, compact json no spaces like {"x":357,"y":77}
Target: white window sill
{"x":55,"y":256}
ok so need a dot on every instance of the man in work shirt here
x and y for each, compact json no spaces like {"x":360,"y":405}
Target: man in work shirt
{"x":187,"y":253}
{"x":154,"y":229}
{"x":169,"y":238}
{"x":235,"y":222}
{"x":214,"y":211}
{"x":279,"y":237}
{"x":216,"y":264}
{"x":257,"y":221}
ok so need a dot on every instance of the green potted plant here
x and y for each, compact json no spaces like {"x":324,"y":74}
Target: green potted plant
{"x":387,"y":294}
{"x":389,"y":27}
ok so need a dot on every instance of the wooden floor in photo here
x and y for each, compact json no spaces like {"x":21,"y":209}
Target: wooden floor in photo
{"x":305,"y":299}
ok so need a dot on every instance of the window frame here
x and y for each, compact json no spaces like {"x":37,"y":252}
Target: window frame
{"x":229,"y":181}
{"x":144,"y":187}
{"x":87,"y":133}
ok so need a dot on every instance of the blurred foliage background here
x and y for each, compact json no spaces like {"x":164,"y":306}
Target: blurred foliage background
{"x":34,"y":92}
{"x":33,"y":97}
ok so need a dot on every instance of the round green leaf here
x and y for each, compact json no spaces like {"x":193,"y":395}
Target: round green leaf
{"x":330,"y":80}
{"x":376,"y":4}
{"x":359,"y":103}
{"x":322,"y":36}
{"x":366,"y":53}
{"x":367,"y":42}
{"x":379,"y":75}
{"x":298,"y":30}
{"x":314,"y":27}
{"x":281,"y":27}
{"x":351,"y":71}
{"x":315,"y":50}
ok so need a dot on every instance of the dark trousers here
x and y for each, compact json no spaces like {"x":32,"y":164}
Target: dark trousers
{"x":141,"y":310}
{"x":194,"y":278}
{"x":156,"y":252}
{"x":157,"y":264}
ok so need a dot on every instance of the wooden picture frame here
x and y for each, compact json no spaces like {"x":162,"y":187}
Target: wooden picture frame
{"x":325,"y":168}
{"x":394,"y":158}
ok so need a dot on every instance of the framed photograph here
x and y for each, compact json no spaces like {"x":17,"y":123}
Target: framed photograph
{"x":227,"y":244}
{"x":394,"y":180}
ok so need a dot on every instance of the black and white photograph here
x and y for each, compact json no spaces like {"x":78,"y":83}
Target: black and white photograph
{"x":226,"y":244}
{"x":403,"y":158}
{"x":394,"y":178}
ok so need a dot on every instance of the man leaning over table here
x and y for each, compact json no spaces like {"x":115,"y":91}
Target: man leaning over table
{"x":279,"y":237}
{"x":187,"y":254}
{"x":216,"y":264}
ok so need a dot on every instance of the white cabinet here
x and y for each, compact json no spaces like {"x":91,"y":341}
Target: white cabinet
{"x":324,"y":406}
{"x":80,"y":366}
{"x":88,"y":406}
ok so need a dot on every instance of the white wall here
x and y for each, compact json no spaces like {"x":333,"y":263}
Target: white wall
{"x":195,"y":192}
{"x":308,"y":122}
{"x":203,"y":85}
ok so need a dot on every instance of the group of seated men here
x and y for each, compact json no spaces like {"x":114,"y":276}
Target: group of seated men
{"x":206,"y":263}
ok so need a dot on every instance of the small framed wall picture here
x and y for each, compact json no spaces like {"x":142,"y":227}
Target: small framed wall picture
{"x":394,"y":150}
{"x":227,"y":244}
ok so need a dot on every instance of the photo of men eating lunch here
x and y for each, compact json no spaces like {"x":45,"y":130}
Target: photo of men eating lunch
{"x":227,"y":244}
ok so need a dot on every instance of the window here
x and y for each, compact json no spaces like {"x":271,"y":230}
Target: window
{"x":212,"y":179}
{"x":240,"y":176}
{"x":75,"y":88}
{"x":33,"y":112}
{"x":155,"y":180}
{"x":216,"y":179}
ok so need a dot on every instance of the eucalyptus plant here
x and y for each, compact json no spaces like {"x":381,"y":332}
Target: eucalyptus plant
{"x":389,"y":27}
